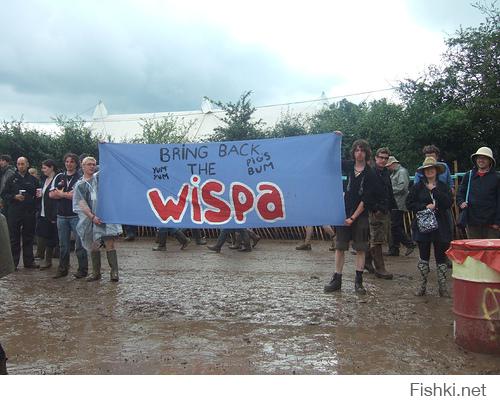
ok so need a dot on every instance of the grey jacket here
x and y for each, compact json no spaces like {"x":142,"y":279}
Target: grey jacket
{"x":5,"y":175}
{"x":400,"y":183}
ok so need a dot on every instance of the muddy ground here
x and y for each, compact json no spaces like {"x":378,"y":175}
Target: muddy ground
{"x":198,"y":312}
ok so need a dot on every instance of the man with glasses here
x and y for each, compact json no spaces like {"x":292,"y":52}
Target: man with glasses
{"x":379,"y":216}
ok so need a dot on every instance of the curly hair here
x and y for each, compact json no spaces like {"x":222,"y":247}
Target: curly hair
{"x":364,"y":146}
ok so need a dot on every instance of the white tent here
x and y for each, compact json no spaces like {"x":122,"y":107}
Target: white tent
{"x":123,"y":127}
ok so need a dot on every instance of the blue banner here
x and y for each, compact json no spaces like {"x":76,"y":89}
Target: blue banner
{"x":292,"y":181}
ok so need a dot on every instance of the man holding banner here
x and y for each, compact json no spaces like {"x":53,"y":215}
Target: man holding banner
{"x":358,"y":198}
{"x":91,"y":228}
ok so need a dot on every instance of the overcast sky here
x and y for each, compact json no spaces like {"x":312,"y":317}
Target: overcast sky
{"x":62,"y":57}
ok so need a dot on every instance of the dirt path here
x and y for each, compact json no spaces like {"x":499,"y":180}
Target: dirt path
{"x":194,"y":311}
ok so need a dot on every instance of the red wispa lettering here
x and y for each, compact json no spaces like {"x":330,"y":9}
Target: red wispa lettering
{"x":169,"y":208}
{"x":242,"y":199}
{"x":208,"y":206}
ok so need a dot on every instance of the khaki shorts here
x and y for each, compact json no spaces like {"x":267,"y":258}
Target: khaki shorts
{"x":379,"y":227}
{"x":358,"y":233}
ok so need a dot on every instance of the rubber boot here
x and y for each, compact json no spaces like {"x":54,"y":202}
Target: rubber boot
{"x":423,"y":267}
{"x":62,"y":269}
{"x":162,"y":242}
{"x":113,"y":263}
{"x":378,"y":260}
{"x":441,"y":276}
{"x":220,"y":242}
{"x":335,"y":283}
{"x":183,"y":240}
{"x":255,"y":238}
{"x":245,"y":241}
{"x":47,"y":263}
{"x":235,"y":241}
{"x":358,"y":283}
{"x":95,"y":257}
{"x":369,"y":262}
{"x":198,"y":237}
{"x":41,"y":244}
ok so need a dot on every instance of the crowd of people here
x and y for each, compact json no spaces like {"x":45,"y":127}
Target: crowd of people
{"x":377,"y":196}
{"x":60,"y":210}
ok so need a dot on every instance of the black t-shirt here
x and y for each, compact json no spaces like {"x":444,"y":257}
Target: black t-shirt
{"x":359,"y":188}
{"x":66,"y":183}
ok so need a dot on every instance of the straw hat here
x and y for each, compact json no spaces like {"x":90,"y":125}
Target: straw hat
{"x":483,"y":151}
{"x":431,"y":162}
{"x":391,"y":160}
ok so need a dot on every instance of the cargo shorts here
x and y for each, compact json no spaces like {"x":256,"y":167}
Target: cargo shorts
{"x":358,"y":233}
{"x":379,"y":227}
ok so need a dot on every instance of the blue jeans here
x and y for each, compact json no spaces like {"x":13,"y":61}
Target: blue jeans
{"x":64,"y":227}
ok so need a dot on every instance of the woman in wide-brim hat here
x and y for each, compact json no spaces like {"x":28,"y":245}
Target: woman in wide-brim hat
{"x":431,"y":162}
{"x":433,"y":194}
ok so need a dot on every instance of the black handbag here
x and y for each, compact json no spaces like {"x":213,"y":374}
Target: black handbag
{"x":462,"y":216}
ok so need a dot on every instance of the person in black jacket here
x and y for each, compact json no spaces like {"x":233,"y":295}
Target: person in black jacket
{"x":379,"y":217}
{"x":357,"y":200}
{"x":20,"y":194}
{"x":433,"y":194}
{"x":47,"y":217}
{"x":483,"y":202}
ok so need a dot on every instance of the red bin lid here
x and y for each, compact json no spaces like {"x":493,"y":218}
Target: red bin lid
{"x":484,"y":250}
{"x":476,"y":244}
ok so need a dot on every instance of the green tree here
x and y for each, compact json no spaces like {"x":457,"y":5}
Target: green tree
{"x":76,"y":137}
{"x":290,"y":124}
{"x":169,"y":129}
{"x":16,"y":140}
{"x":239,"y":124}
{"x":342,"y":116}
{"x":457,"y":106}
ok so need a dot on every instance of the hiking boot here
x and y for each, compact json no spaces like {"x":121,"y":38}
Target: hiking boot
{"x":304,"y":246}
{"x":159,"y":249}
{"x":214,"y":248}
{"x":335,"y":283}
{"x":358,"y":283}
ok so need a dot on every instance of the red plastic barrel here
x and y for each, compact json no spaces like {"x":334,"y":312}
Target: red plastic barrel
{"x":476,"y":294}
